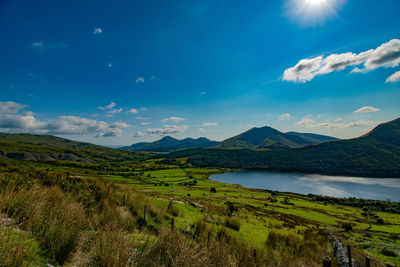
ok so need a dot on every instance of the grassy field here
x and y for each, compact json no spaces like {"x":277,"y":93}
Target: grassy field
{"x":270,"y":222}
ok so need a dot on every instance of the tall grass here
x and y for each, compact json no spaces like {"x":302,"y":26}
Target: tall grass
{"x":90,"y":223}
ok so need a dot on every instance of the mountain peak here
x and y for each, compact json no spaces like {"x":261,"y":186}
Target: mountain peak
{"x":266,"y":136}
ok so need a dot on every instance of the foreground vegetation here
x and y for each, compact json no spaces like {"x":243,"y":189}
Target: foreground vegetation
{"x":155,"y":213}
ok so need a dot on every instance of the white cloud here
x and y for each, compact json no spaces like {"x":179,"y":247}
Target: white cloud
{"x":359,"y":123}
{"x":201,"y":130}
{"x":338,"y":119}
{"x":285,"y":116}
{"x":152,"y":78}
{"x":144,"y":123}
{"x":174,"y":119}
{"x":386,"y":55}
{"x":42,"y":46}
{"x":140,"y":80}
{"x":395,"y":77}
{"x":310,"y":123}
{"x":306,"y":121}
{"x":203,"y":93}
{"x":367,"y":109}
{"x":10,"y":107}
{"x":119,"y":124}
{"x":109,"y":65}
{"x":11,"y":121}
{"x":114,"y":111}
{"x":132,"y":111}
{"x":143,"y":109}
{"x":142,"y":118}
{"x":208,"y":124}
{"x":168,"y":129}
{"x":303,"y":71}
{"x":97,"y":31}
{"x":109,"y":106}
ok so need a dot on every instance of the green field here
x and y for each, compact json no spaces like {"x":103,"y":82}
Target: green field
{"x":252,"y":216}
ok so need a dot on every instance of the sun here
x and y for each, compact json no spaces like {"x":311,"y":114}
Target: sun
{"x":313,"y":12}
{"x":314,"y":2}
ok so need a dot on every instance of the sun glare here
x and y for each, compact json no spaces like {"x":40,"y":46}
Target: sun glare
{"x":313,"y":12}
{"x":315,"y":2}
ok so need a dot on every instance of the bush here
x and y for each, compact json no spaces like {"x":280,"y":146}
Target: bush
{"x":213,"y":190}
{"x":388,"y":252}
{"x":347,"y":226}
{"x":232,"y":223}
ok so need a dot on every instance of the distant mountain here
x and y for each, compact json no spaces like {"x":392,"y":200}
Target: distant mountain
{"x":375,"y":154}
{"x":169,"y":143}
{"x":266,"y":137}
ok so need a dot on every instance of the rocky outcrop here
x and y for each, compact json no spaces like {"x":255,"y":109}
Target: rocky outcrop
{"x":44,"y":157}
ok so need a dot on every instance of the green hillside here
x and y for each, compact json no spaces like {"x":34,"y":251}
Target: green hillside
{"x":50,"y":148}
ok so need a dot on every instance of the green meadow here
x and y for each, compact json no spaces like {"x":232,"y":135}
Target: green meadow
{"x":185,"y":199}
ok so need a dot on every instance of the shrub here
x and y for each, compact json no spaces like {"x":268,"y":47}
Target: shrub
{"x":388,"y":252}
{"x":347,"y":226}
{"x":233,"y":223}
{"x":213,"y":190}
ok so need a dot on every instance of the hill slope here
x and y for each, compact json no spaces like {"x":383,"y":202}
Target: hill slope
{"x":269,"y":137}
{"x":168,"y":143}
{"x":375,"y":154}
{"x":51,"y":148}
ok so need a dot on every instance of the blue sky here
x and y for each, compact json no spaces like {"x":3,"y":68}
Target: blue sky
{"x":120,"y":72}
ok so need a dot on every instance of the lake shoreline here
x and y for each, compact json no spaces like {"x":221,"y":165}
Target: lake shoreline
{"x":373,"y":188}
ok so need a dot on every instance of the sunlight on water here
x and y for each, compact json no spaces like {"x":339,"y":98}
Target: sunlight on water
{"x":336,"y":186}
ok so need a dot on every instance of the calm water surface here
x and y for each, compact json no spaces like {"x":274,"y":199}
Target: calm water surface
{"x":335,"y":186}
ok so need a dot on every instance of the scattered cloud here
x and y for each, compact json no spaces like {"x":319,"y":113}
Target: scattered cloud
{"x":109,"y":65}
{"x":395,"y":77}
{"x":208,"y":124}
{"x":367,"y":109}
{"x":359,"y":123}
{"x":114,"y":111}
{"x":338,"y":119}
{"x":201,"y":130}
{"x":11,"y":120}
{"x":167,"y":129}
{"x":386,"y":55}
{"x":173,"y":119}
{"x":152,"y":78}
{"x":42,"y":46}
{"x":133,"y":111}
{"x":203,"y":93}
{"x":143,"y":109}
{"x":144,"y":123}
{"x":97,"y":31}
{"x":142,"y":118}
{"x":310,"y":123}
{"x":140,"y":80}
{"x":285,"y":116}
{"x":109,"y":106}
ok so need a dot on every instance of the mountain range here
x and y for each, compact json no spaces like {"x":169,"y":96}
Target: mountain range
{"x":265,"y":137}
{"x":375,"y":154}
{"x":169,"y":143}
{"x":255,"y":138}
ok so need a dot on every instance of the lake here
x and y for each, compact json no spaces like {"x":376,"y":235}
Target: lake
{"x":335,"y":186}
